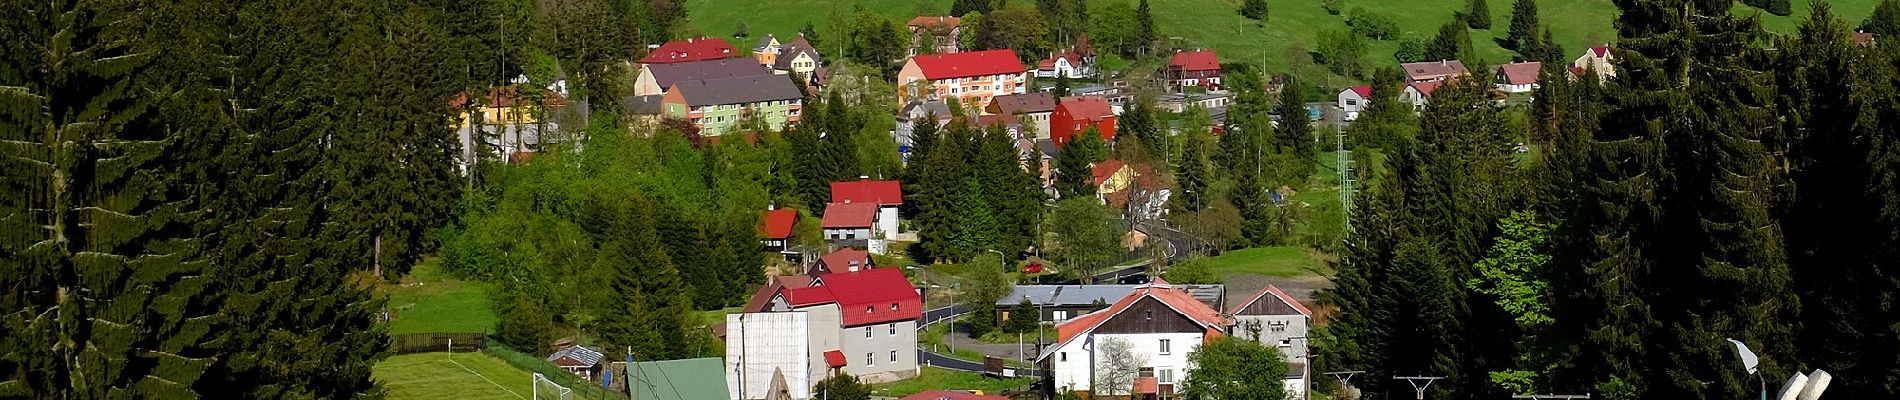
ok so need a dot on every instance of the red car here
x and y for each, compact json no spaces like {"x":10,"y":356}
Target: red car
{"x":1033,"y":268}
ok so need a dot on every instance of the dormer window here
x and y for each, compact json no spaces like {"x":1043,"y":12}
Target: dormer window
{"x":893,"y":306}
{"x":867,"y":309}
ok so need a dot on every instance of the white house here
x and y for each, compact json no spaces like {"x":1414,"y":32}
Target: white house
{"x":1518,"y":77}
{"x":1355,"y":99}
{"x":886,"y":195}
{"x":1067,"y":64}
{"x":1597,"y":59}
{"x":1137,"y":346}
{"x":1277,"y":320}
{"x":1418,"y":93}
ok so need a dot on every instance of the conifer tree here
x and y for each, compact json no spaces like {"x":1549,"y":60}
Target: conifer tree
{"x":1073,"y":164}
{"x":1295,"y":133}
{"x":1553,"y":53}
{"x":1524,"y":27}
{"x":814,"y":180}
{"x":1885,"y":20}
{"x":1452,"y":43}
{"x":1195,"y":174}
{"x":975,"y":221}
{"x":1139,"y":121}
{"x":1145,"y":35}
{"x":1477,"y":14}
{"x":1013,"y":193}
{"x":1254,"y":9}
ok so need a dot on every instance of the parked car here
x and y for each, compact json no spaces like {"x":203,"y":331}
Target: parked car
{"x":1136,"y":279}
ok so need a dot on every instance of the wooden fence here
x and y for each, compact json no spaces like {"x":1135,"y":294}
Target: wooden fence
{"x":435,"y":342}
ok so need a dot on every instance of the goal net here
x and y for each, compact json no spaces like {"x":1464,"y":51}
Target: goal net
{"x":545,"y":389}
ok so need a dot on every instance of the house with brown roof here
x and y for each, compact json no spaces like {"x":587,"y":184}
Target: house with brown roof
{"x":1076,"y":114}
{"x":1278,"y":321}
{"x":1518,"y":77}
{"x":1863,"y":38}
{"x":1158,"y":323}
{"x":657,"y":78}
{"x":1434,"y":71}
{"x":578,"y":360}
{"x":1037,"y":106}
{"x":944,"y":30}
{"x":851,"y":225}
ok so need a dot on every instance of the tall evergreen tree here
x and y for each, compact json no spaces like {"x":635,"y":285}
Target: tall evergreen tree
{"x":1254,"y":9}
{"x":1885,"y":20}
{"x":1195,"y":174}
{"x":1477,"y":14}
{"x":1295,"y":133}
{"x":1452,"y":43}
{"x":1073,"y":164}
{"x":1144,"y":35}
{"x":1139,"y":121}
{"x":1524,"y":26}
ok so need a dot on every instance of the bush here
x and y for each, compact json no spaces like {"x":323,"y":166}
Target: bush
{"x":1192,"y":272}
{"x":1411,"y":48}
{"x":1331,"y":6}
{"x":1372,"y":25}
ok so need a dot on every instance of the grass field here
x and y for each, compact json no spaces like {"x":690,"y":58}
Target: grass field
{"x":429,"y":300}
{"x":1281,"y":42}
{"x":1280,"y":261}
{"x":460,"y":376}
{"x":933,"y":378}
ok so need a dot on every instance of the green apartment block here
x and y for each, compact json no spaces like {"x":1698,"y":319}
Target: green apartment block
{"x":716,"y":105}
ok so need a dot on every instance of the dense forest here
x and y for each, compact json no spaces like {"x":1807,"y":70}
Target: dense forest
{"x":1726,"y":184}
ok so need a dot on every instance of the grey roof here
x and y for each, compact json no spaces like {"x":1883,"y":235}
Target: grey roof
{"x":936,"y":108}
{"x":641,"y":105}
{"x":1082,"y":295}
{"x":789,"y":51}
{"x":763,"y":43}
{"x":668,"y":74}
{"x":1048,"y":148}
{"x":749,"y":89}
{"x":1027,"y":103}
{"x":688,"y":379}
{"x":577,"y":353}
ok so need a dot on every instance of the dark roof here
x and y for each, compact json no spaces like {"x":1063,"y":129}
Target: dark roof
{"x":575,"y":356}
{"x":738,"y":90}
{"x":641,"y":105}
{"x":1027,"y":103}
{"x":763,"y":43}
{"x":789,"y":51}
{"x":668,"y":74}
{"x":1270,"y":301}
{"x":934,"y":108}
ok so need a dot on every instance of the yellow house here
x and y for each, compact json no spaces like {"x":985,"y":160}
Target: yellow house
{"x":506,"y":106}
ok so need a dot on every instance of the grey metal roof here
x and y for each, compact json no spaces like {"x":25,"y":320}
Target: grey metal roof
{"x":743,"y":90}
{"x":668,"y":74}
{"x":641,"y":105}
{"x":586,"y":356}
{"x":1082,"y":295}
{"x":789,"y":51}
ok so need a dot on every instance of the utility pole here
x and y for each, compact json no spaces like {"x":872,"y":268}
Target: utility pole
{"x":1414,"y":380}
{"x":1344,"y":377}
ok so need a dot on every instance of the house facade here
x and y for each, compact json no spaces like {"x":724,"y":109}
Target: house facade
{"x":943,"y":30}
{"x":1518,"y":77}
{"x":886,"y":196}
{"x":1066,"y":64}
{"x":1419,"y":93}
{"x":1354,"y":99}
{"x":656,"y":79}
{"x":1180,"y":102}
{"x":852,"y":225}
{"x":1157,"y":324}
{"x":689,"y":50}
{"x":1434,"y":71}
{"x":914,"y":112}
{"x":1059,"y":303}
{"x":715,"y":106}
{"x":798,"y":56}
{"x":766,"y":52}
{"x":775,"y":229}
{"x":1598,"y":59}
{"x":1036,"y":106}
{"x":505,"y":123}
{"x":862,"y":322}
{"x":1277,"y":321}
{"x":974,"y":78}
{"x":1076,"y":114}
{"x":1194,"y":68}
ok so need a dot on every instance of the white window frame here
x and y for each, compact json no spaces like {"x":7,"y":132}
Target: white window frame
{"x":1166,"y":346}
{"x":870,"y":359}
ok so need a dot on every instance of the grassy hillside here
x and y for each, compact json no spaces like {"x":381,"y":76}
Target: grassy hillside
{"x":429,"y":300}
{"x":462,"y":376}
{"x":1282,"y":41}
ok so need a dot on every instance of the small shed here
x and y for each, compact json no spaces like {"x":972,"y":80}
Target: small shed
{"x":578,"y":360}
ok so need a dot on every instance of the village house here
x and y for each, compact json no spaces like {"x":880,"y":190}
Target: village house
{"x":1194,"y":68}
{"x":1075,"y":114}
{"x":1065,"y":64}
{"x":1037,"y":106}
{"x":1597,"y":59}
{"x":798,"y":56}
{"x":578,"y":360}
{"x":840,"y":261}
{"x":859,"y":321}
{"x":885,"y":195}
{"x":657,"y":78}
{"x":1132,"y":188}
{"x":1354,"y":99}
{"x":1863,"y":38}
{"x":689,"y":50}
{"x":1058,"y":303}
{"x":776,"y":229}
{"x":1157,"y":324}
{"x":766,"y":52}
{"x":1434,"y":71}
{"x":1179,"y":102}
{"x":943,"y":30}
{"x":973,"y":77}
{"x":916,"y":111}
{"x":506,"y":123}
{"x":1518,"y":77}
{"x":852,"y":225}
{"x":1277,"y":320}
{"x":717,"y":105}
{"x":1418,"y":93}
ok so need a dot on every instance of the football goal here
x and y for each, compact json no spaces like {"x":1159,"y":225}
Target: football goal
{"x":548,"y":390}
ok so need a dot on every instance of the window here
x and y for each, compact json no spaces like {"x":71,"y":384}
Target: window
{"x":893,"y":306}
{"x":1151,"y":315}
{"x":1062,"y":315}
{"x":1164,"y":346}
{"x":867,"y":310}
{"x":867,"y":332}
{"x":1062,"y":356}
{"x":1145,"y":372}
{"x":893,"y":355}
{"x":1166,"y":376}
{"x":870,"y":359}
{"x":893,"y":326}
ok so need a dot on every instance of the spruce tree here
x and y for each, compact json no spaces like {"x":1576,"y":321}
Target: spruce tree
{"x":1144,"y":35}
{"x":1295,"y":133}
{"x":1139,"y":121}
{"x":1524,"y":26}
{"x":976,"y":227}
{"x":1477,"y":14}
{"x":1885,"y":20}
{"x":1254,"y":9}
{"x":1073,"y":164}
{"x":1452,"y":43}
{"x":1195,"y":174}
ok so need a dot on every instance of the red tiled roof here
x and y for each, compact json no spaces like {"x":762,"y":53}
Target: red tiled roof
{"x":509,"y":96}
{"x":772,"y":285}
{"x":882,"y":193}
{"x":849,"y":215}
{"x":1049,"y":64}
{"x":950,"y":395}
{"x":1523,"y":73}
{"x":1576,"y":72}
{"x":777,"y":224}
{"x":1091,"y":107}
{"x":1179,"y":300}
{"x":834,"y":358}
{"x":1198,"y":60}
{"x":694,"y":49}
{"x":1103,"y":170}
{"x":1426,"y":88}
{"x":1278,"y":295}
{"x":1600,"y":51}
{"x":1363,"y":91}
{"x":927,"y":21}
{"x":869,"y":296}
{"x":840,"y":261}
{"x":968,"y":64}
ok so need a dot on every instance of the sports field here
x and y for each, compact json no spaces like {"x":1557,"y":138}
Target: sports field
{"x":459,"y":376}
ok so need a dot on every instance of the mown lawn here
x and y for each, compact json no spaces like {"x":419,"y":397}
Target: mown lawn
{"x":429,"y":300}
{"x":1281,"y":42}
{"x":933,"y":378}
{"x":459,"y":376}
{"x":1280,"y":261}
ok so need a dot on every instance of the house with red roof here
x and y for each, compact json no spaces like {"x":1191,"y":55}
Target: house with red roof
{"x":886,"y":196}
{"x":1354,"y":99}
{"x":1418,"y":93}
{"x":1863,"y":38}
{"x":971,"y":77}
{"x":843,"y":260}
{"x":1279,"y":321}
{"x":1599,"y":59}
{"x":1075,"y":114}
{"x":1518,"y":77}
{"x":775,"y":228}
{"x":1194,"y":68}
{"x":1158,"y":322}
{"x":862,"y":322}
{"x":851,"y":225}
{"x":689,"y":50}
{"x":944,"y":31}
